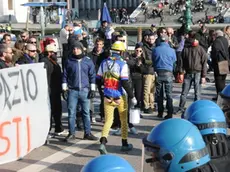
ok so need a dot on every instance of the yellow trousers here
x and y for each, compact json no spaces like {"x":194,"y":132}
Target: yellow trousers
{"x":109,"y":115}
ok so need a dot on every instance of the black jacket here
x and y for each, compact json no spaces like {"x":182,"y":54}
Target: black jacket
{"x":135,"y":70}
{"x":203,"y":40}
{"x":219,"y":52}
{"x":148,"y":69}
{"x":173,"y":43}
{"x":101,"y":32}
{"x":54,"y":75}
{"x":3,"y":64}
{"x":193,"y":59}
{"x":25,"y":59}
{"x":97,"y":58}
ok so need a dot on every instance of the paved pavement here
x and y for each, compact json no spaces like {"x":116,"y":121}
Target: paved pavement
{"x":59,"y":156}
{"x":172,"y":20}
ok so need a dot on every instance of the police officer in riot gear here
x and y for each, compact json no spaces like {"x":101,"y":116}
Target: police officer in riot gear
{"x":180,"y":151}
{"x":108,"y":163}
{"x":224,"y":102}
{"x":210,"y":120}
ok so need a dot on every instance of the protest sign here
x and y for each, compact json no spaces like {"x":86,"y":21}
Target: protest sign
{"x":24,"y":110}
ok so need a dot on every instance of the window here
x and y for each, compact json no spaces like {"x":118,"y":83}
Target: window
{"x":10,"y":4}
{"x":73,"y":3}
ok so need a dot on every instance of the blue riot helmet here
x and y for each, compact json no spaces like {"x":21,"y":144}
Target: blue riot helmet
{"x":210,"y":120}
{"x":175,"y":144}
{"x":108,"y":163}
{"x":207,"y":116}
{"x":226,"y":92}
{"x":224,"y":102}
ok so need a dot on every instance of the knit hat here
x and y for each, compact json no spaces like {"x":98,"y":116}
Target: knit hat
{"x":78,"y":45}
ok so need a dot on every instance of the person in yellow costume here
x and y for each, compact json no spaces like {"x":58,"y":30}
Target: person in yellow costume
{"x":113,"y":73}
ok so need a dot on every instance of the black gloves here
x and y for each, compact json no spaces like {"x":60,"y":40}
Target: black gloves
{"x":65,"y":95}
{"x":92,"y":94}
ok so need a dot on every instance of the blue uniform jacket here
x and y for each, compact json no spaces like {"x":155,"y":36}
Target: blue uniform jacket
{"x":79,"y":74}
{"x":163,"y":57}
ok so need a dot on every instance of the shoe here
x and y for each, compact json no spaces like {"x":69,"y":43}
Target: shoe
{"x":160,"y":115}
{"x":180,"y":111}
{"x":50,"y":135}
{"x":129,"y":147}
{"x":168,"y":117}
{"x":64,"y":132}
{"x":117,"y":132}
{"x":93,"y":120}
{"x":90,"y":137}
{"x":102,"y":149}
{"x":214,"y":98}
{"x":70,"y":137}
{"x":133,"y":130}
{"x":148,"y":111}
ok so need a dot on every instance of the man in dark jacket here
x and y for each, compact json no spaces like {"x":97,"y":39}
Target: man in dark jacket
{"x":219,"y":53}
{"x":194,"y":62}
{"x":54,"y":79}
{"x":202,"y":37}
{"x":161,"y":31}
{"x":97,"y":55}
{"x":148,"y":74}
{"x":173,"y":42}
{"x":101,"y":30}
{"x":29,"y":56}
{"x":79,"y":79}
{"x":5,"y":56}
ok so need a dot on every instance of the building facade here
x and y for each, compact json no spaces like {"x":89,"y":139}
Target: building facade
{"x":19,"y":13}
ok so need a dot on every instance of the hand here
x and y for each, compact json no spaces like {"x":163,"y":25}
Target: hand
{"x":139,"y":62}
{"x":181,"y":77}
{"x":203,"y":80}
{"x":65,"y":95}
{"x":92,"y":94}
{"x":133,"y":102}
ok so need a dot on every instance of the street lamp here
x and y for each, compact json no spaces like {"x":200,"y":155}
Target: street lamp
{"x":188,"y":15}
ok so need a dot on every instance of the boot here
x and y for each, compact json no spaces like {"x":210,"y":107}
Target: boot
{"x":125,"y":146}
{"x":102,"y":148}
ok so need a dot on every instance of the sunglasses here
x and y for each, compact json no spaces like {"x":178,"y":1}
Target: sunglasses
{"x":23,"y":36}
{"x":139,"y":51}
{"x":122,"y":40}
{"x":33,"y":42}
{"x":33,"y":51}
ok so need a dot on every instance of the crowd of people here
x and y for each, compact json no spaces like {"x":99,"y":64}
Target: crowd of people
{"x":141,"y":80}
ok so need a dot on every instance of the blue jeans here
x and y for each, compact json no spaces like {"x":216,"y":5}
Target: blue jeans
{"x":81,"y":97}
{"x":188,"y":80}
{"x":164,"y":84}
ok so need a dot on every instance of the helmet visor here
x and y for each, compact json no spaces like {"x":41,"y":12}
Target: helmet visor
{"x":150,"y":160}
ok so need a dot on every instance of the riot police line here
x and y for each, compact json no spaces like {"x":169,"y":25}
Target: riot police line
{"x":197,"y":143}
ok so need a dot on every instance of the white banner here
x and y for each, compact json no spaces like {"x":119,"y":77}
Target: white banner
{"x":24,"y":110}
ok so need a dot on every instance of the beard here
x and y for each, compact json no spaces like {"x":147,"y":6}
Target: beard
{"x":54,"y":57}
